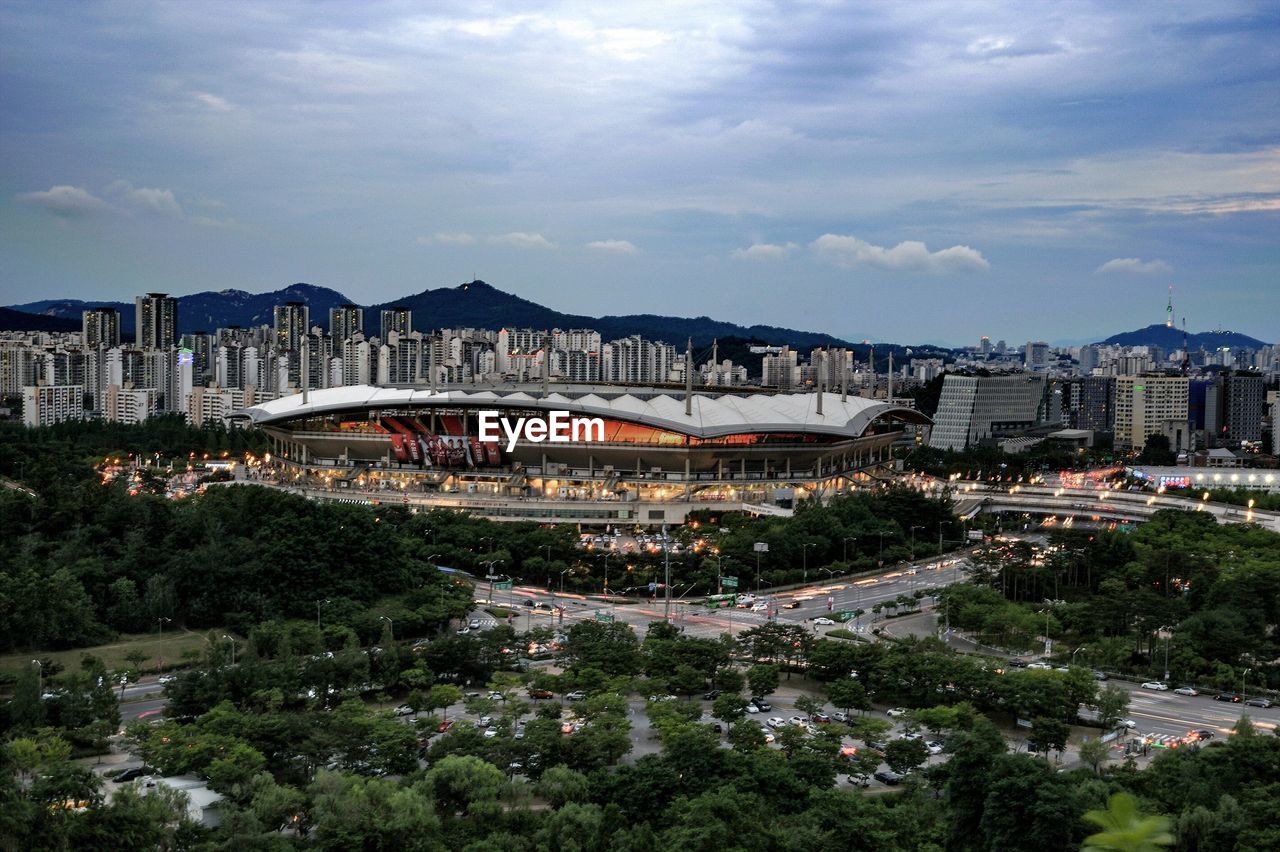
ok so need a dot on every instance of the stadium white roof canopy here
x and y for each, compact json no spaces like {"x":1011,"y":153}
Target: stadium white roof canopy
{"x":714,"y":414}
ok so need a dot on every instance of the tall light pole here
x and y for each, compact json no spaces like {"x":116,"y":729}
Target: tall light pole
{"x":233,"y":647}
{"x":160,"y":623}
{"x":606,"y":556}
{"x":804,"y":556}
{"x":320,"y":603}
{"x":490,"y":576}
{"x":880,"y":559}
{"x":39,"y":680}
{"x":847,"y":539}
{"x":1243,"y":675}
{"x":666,"y":584}
{"x":913,"y":540}
{"x":391,"y":625}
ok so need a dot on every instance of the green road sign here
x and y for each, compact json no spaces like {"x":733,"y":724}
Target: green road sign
{"x":601,"y":615}
{"x":729,"y":582}
{"x":843,"y":615}
{"x":503,"y":587}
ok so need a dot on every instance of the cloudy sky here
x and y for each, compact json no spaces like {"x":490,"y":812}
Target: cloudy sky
{"x":901,"y":171}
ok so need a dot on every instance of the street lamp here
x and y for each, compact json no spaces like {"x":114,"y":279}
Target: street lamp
{"x":39,"y":679}
{"x":160,"y":623}
{"x":606,"y":556}
{"x":391,"y":625}
{"x":913,"y":540}
{"x":804,"y":550}
{"x":490,"y":576}
{"x":847,"y":539}
{"x":233,"y":647}
{"x":562,"y":573}
{"x":320,"y":603}
{"x":1244,"y":675}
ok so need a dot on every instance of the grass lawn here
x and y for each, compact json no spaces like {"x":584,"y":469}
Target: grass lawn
{"x":113,"y":654}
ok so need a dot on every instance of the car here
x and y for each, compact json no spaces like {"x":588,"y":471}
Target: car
{"x":484,"y":721}
{"x":760,"y":607}
{"x":859,"y":779}
{"x":131,"y":774}
{"x":768,"y":735}
{"x":799,"y":721}
{"x":822,"y":619}
{"x":888,"y":776}
{"x":848,"y":752}
{"x":494,"y":695}
{"x":711,"y":695}
{"x":463,"y":631}
{"x":541,"y":693}
{"x":576,"y":695}
{"x":1127,"y":723}
{"x":1228,"y":696}
{"x":753,"y":709}
{"x":166,"y":678}
{"x":1185,"y":690}
{"x":821,"y":718}
{"x":1017,"y":664}
{"x":895,"y":712}
{"x":1097,"y":675}
{"x":933,"y":747}
{"x":1040,"y":666}
{"x":405,"y":710}
{"x":465,"y":695}
{"x":840,"y":716}
{"x":1264,"y":703}
{"x":445,"y":725}
{"x":474,"y":624}
{"x":656,"y":698}
{"x":776,"y":722}
{"x":519,"y":733}
{"x":530,"y":602}
{"x":761,"y":704}
{"x":1204,"y":734}
{"x":791,"y":605}
{"x":1156,"y":685}
{"x":876,"y":746}
{"x":491,"y":732}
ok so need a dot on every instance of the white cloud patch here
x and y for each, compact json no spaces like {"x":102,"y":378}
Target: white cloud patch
{"x":764,"y":251}
{"x":908,"y":256}
{"x":447,"y":239}
{"x":614,"y":246}
{"x":158,"y":202}
{"x":1135,"y":265}
{"x":213,"y":102}
{"x":520,"y":239}
{"x":68,"y":202}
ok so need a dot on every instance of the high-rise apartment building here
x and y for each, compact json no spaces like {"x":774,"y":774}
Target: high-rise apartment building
{"x":47,"y":405}
{"x":1243,"y":404}
{"x":1152,"y":405}
{"x":291,"y":325}
{"x":1094,"y":403}
{"x":780,"y":369}
{"x":100,"y":327}
{"x":344,"y":321}
{"x":398,"y":319}
{"x":156,"y":321}
{"x":1036,"y":354}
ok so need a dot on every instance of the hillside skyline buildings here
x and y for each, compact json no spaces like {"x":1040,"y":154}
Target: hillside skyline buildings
{"x":1006,"y":162}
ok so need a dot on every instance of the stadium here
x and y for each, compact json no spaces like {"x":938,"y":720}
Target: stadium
{"x":593,"y":455}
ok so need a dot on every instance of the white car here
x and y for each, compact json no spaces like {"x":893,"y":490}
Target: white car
{"x":1044,"y":666}
{"x":822,"y":619}
{"x":751,"y":708}
{"x":934,"y":747}
{"x":464,"y":631}
{"x":896,"y":712}
{"x":166,"y":678}
{"x":760,"y":607}
{"x":1156,"y":685}
{"x":776,"y":722}
{"x":490,"y":732}
{"x":799,"y":721}
{"x":1185,"y":690}
{"x":1127,"y":723}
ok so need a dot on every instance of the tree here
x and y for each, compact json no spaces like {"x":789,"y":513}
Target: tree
{"x":903,"y":754}
{"x":443,"y":696}
{"x":848,"y":694}
{"x":1125,"y":829}
{"x":561,"y":785}
{"x":745,"y":735}
{"x":1113,"y":705}
{"x":459,"y":782}
{"x":729,"y":708}
{"x":763,"y":678}
{"x":1049,"y":734}
{"x":1094,"y":752}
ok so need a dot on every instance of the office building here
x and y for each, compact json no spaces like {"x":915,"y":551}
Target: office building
{"x":972,"y":409}
{"x":1243,"y":404}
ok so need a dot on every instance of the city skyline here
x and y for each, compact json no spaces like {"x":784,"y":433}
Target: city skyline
{"x":826,"y":169}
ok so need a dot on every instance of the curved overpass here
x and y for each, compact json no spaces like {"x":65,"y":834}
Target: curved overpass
{"x":1105,"y":504}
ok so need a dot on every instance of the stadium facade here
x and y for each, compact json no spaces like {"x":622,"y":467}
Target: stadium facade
{"x":587,"y":454}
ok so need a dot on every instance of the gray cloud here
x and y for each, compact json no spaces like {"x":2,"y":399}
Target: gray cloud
{"x":763,"y":251}
{"x":447,"y":239}
{"x":908,"y":256}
